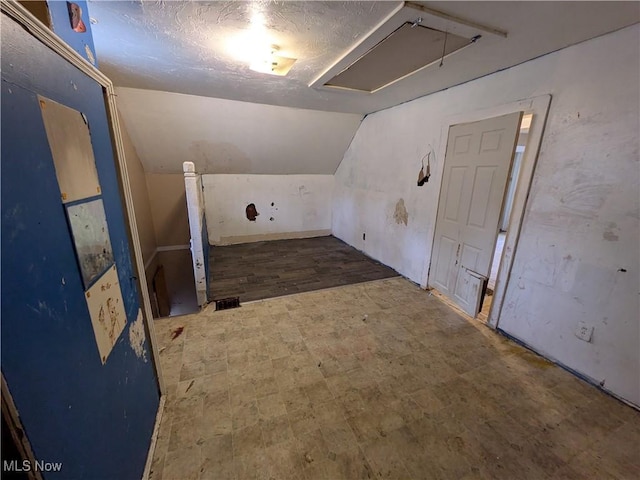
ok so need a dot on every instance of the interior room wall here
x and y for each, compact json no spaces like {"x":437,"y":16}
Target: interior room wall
{"x":577,"y":258}
{"x":142,"y":209}
{"x":168,"y":209}
{"x":289,"y":206}
{"x":140,"y":193}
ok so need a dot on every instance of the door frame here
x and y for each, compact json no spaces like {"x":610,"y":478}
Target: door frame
{"x":539,"y":107}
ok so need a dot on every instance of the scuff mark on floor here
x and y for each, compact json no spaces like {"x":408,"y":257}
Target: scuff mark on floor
{"x":176,"y":332}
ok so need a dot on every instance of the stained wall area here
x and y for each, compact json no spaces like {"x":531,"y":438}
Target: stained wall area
{"x":577,"y":258}
{"x":287,"y":206}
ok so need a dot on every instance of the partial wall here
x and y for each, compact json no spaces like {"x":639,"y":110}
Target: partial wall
{"x":250,"y":208}
{"x":577,"y":260}
{"x":169,"y":209}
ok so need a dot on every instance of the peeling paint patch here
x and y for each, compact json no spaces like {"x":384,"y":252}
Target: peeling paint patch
{"x":401,"y":215}
{"x":89,"y":53}
{"x":251,"y":212}
{"x":137,"y":337}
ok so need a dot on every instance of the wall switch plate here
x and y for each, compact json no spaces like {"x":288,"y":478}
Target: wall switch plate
{"x":584,"y":331}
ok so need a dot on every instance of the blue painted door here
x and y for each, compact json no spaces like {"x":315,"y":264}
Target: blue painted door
{"x":97,"y":420}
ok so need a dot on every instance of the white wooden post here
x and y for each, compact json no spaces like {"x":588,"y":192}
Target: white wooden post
{"x":195,"y":209}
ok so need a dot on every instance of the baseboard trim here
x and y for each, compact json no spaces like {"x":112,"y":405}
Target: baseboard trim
{"x":171,"y":248}
{"x":154,"y":439}
{"x":234,"y":240}
{"x":150,"y":261}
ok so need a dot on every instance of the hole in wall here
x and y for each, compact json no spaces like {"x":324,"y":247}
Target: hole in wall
{"x":75,"y":17}
{"x":251,"y":212}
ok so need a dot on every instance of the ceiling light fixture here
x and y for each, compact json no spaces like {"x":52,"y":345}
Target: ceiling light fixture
{"x":270,"y":62}
{"x":255,"y":47}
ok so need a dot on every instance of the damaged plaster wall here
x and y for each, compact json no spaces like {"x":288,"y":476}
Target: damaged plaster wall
{"x":577,"y":259}
{"x":288,"y":206}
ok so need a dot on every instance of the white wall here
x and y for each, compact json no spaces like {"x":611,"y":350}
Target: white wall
{"x":227,"y":136}
{"x":301,"y":207}
{"x":581,"y":223}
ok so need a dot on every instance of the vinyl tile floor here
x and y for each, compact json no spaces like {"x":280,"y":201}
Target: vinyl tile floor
{"x":375,"y":380}
{"x":259,"y":270}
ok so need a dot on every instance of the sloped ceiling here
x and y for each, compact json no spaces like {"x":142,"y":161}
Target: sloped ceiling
{"x":186,"y":47}
{"x":226,"y":136}
{"x":189,"y":97}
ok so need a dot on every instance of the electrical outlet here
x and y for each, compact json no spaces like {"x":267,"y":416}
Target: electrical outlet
{"x":584,"y":331}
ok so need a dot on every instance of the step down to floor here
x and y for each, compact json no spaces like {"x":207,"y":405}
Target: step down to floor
{"x":226,"y":303}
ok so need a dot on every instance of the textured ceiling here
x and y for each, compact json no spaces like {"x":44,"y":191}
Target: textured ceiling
{"x":185,"y":47}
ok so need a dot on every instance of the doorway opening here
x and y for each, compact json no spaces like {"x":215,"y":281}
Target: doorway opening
{"x":505,"y":218}
{"x":441,"y":274}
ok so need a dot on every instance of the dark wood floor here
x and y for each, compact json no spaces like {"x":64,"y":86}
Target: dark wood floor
{"x":254,"y":271}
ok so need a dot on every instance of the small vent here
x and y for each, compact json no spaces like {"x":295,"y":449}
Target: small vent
{"x":405,"y":51}
{"x":227,"y":303}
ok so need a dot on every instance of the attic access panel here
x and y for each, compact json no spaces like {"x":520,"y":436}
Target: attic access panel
{"x":405,"y":51}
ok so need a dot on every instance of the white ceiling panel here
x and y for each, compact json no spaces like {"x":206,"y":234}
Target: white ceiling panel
{"x":196,"y":47}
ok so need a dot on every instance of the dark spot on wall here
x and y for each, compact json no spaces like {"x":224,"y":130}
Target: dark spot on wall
{"x":272,"y":204}
{"x":271,"y":219}
{"x":401,"y":215}
{"x":251,"y":212}
{"x":623,"y":270}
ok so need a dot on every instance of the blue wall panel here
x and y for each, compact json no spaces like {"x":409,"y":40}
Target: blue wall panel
{"x":61,"y":25}
{"x":96,"y":419}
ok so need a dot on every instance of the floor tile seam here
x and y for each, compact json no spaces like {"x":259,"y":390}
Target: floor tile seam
{"x":312,"y":292}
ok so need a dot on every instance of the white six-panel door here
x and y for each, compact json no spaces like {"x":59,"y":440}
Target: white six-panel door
{"x":476,"y":168}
